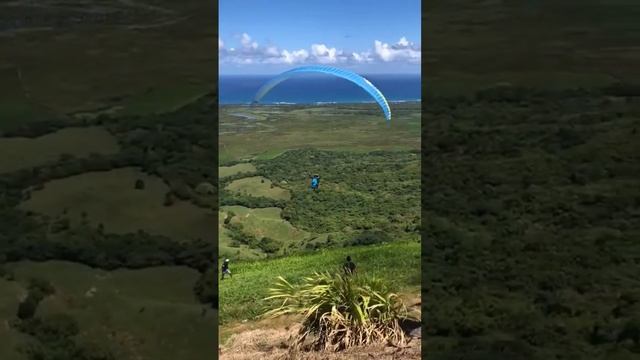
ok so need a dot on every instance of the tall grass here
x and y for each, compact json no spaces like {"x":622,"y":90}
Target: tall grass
{"x":397,"y":263}
{"x":340,"y":311}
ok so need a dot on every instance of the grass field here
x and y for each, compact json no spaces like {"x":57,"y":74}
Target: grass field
{"x":260,"y":187}
{"x":226,"y":249}
{"x":224,"y":171}
{"x":266,"y":222}
{"x":398,"y":263}
{"x":16,"y":108}
{"x":546,"y":44}
{"x":24,"y":153}
{"x":338,"y":127}
{"x":161,"y":100}
{"x":120,"y":51}
{"x":111,"y":199}
{"x":107,"y":306}
{"x":460,"y":83}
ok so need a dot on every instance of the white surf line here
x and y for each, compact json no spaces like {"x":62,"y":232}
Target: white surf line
{"x":160,"y":24}
{"x":132,"y":3}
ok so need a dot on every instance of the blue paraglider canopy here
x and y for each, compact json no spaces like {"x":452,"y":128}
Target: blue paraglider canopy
{"x":345,"y":74}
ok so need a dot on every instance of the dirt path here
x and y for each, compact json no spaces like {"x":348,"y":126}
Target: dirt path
{"x":271,"y":344}
{"x":269,"y":339}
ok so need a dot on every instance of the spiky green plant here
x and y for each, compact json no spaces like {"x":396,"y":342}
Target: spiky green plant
{"x":340,"y":311}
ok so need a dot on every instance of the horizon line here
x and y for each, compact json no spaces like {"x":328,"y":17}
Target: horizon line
{"x":278,"y":73}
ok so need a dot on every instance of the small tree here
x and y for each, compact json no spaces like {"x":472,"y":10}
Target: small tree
{"x":38,"y":290}
{"x":139,"y":184}
{"x":27,"y":308}
{"x":230,"y":216}
{"x":60,"y":225}
{"x":269,"y":245}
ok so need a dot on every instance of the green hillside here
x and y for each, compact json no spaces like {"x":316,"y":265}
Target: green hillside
{"x":398,"y":263}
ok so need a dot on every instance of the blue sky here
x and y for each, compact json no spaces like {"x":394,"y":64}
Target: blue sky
{"x":269,"y":36}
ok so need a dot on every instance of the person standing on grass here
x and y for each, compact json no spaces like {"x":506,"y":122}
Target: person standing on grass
{"x":349,"y":267}
{"x":225,"y":268}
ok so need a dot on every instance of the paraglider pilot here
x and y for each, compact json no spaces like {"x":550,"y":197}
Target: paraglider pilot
{"x":315,"y":182}
{"x":225,"y":268}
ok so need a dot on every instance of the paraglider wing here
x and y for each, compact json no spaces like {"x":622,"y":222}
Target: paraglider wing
{"x":345,"y":74}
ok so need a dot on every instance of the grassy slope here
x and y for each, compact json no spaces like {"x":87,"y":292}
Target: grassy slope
{"x":224,"y":244}
{"x":170,"y":327}
{"x":266,"y":222}
{"x":399,"y":263}
{"x":110,"y":198}
{"x":16,"y":107}
{"x":258,"y":186}
{"x":24,"y":153}
{"x":162,"y":99}
{"x":224,"y":171}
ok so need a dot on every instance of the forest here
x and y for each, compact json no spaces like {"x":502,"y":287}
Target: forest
{"x":530,"y":219}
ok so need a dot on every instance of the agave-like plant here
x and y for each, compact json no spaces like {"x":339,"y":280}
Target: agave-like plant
{"x":340,"y":311}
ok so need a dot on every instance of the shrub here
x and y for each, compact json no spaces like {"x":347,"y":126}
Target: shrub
{"x":27,"y":308}
{"x":139,"y":184}
{"x":41,"y":286}
{"x":269,"y":245}
{"x":168,"y":199}
{"x":341,"y":311}
{"x":206,"y":288}
{"x":369,"y":238}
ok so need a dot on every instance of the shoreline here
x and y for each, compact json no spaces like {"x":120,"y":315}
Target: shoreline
{"x":316,"y":103}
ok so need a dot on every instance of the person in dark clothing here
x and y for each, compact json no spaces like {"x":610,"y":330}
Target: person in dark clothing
{"x":225,"y":268}
{"x":349,"y":267}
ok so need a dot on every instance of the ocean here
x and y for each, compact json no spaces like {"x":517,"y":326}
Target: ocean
{"x":317,"y":89}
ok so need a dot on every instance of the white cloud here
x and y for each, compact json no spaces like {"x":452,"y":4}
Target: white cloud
{"x":271,"y":51}
{"x":245,"y":39}
{"x":403,"y":50}
{"x":294,"y":57}
{"x":362,"y":57}
{"x":357,"y":57}
{"x":324,"y":54}
{"x":250,"y":52}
